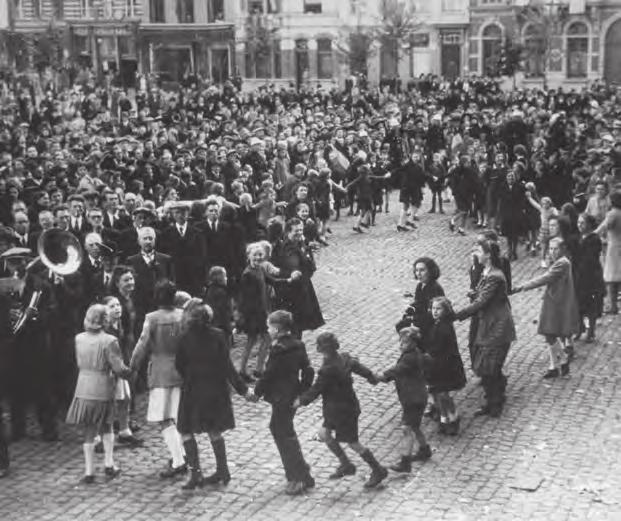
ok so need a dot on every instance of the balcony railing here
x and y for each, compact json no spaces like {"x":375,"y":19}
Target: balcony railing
{"x":110,"y":10}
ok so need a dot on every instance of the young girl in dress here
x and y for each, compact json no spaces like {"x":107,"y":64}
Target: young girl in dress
{"x":444,"y":367}
{"x":99,"y":360}
{"x":546,"y":212}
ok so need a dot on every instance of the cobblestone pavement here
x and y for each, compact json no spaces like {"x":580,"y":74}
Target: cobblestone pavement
{"x":555,"y":454}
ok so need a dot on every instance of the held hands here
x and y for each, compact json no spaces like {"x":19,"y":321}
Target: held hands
{"x":295,"y":275}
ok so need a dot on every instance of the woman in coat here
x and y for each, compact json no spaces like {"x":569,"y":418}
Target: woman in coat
{"x":559,"y":316}
{"x":495,"y":327}
{"x":99,"y":361}
{"x":612,"y":263}
{"x":590,"y":287}
{"x":204,"y":363}
{"x":158,"y":346}
{"x":299,"y":297}
{"x":418,"y":313}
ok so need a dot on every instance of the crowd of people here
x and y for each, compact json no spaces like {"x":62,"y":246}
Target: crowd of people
{"x":198,"y":213}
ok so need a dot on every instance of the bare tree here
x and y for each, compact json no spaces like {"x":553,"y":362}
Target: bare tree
{"x":399,"y":21}
{"x":355,"y":46}
{"x":260,"y":37}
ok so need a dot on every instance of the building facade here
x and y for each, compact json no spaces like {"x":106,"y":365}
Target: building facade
{"x":168,"y":37}
{"x":296,"y":41}
{"x":582,"y":45}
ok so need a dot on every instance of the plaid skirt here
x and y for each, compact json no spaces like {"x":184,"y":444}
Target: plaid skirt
{"x":488,"y":360}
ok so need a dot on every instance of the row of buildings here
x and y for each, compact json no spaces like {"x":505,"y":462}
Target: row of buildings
{"x":284,"y":41}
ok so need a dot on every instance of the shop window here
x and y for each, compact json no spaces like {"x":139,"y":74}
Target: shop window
{"x":263,"y":6}
{"x":577,"y":50}
{"x":534,"y":52}
{"x":156,"y":11}
{"x":312,"y":6}
{"x":185,"y":11}
{"x":324,"y":58}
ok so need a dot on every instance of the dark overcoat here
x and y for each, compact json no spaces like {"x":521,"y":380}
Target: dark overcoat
{"x":444,"y":368}
{"x":188,"y":257}
{"x":590,"y":287}
{"x":204,"y":363}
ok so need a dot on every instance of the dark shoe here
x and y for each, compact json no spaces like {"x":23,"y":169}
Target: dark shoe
{"x":451,"y":226}
{"x":569,"y":351}
{"x":565,"y":369}
{"x":590,"y":337}
{"x":364,"y":225}
{"x":347,"y":469}
{"x":377,"y":476}
{"x":431,"y":210}
{"x":171,"y":472}
{"x":88,"y":480}
{"x":443,"y":428}
{"x":217,"y":477}
{"x":247,"y":378}
{"x":441,"y":211}
{"x":357,"y":229}
{"x":50,"y":436}
{"x":195,"y":481}
{"x":416,"y":218}
{"x":551,"y":373}
{"x":404,"y":465}
{"x":295,"y":488}
{"x":134,"y":426}
{"x":410,"y":224}
{"x":130,"y":441}
{"x":452,"y":429}
{"x":482,"y":411}
{"x":328,"y":230}
{"x":112,"y":472}
{"x":422,"y":454}
{"x":402,"y":228}
{"x":309,"y":482}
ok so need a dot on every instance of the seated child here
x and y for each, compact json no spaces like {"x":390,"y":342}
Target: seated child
{"x":341,"y":408}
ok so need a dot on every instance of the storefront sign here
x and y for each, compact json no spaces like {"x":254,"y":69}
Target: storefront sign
{"x":103,"y":31}
{"x":419,"y":40}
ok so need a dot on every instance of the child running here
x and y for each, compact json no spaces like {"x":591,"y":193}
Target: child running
{"x":341,"y":408}
{"x":444,"y":367}
{"x":412,"y":392}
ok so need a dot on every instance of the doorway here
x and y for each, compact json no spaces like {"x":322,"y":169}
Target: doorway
{"x":451,"y":55}
{"x":301,"y":62}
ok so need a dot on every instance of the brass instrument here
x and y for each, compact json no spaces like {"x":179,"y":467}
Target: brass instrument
{"x":61,"y":252}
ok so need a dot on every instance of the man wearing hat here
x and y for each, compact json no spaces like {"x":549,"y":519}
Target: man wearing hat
{"x":186,"y":246}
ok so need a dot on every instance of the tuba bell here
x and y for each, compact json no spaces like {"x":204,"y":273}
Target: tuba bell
{"x":61,"y":252}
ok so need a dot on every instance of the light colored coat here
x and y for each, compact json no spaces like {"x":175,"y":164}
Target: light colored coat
{"x":158,"y":342}
{"x":612,"y":262}
{"x":99,"y":359}
{"x":559,"y":315}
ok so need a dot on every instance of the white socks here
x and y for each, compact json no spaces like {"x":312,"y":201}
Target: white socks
{"x":175,"y":447}
{"x":557,"y":354}
{"x":89,"y":458}
{"x":108,"y":444}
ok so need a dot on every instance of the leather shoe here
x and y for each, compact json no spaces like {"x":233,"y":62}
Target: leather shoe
{"x":171,"y":472}
{"x":347,"y":469}
{"x":551,"y":373}
{"x":217,"y":477}
{"x":402,"y":228}
{"x":112,"y":472}
{"x":88,"y":480}
{"x":565,"y":369}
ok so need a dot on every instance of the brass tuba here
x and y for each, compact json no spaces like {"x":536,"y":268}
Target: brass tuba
{"x":61,"y":252}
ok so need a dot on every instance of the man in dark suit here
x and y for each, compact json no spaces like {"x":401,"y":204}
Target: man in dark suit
{"x":77,"y":221}
{"x":23,"y":237}
{"x":128,"y":239}
{"x":186,"y":245}
{"x":219,"y":240}
{"x":150,"y":267}
{"x":112,"y":217}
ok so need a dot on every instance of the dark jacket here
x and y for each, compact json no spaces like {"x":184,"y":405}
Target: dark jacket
{"x":188,"y":256}
{"x":444,"y":368}
{"x":334,"y":384}
{"x":288,"y":372}
{"x":218,"y":298}
{"x":418,"y":312}
{"x":409,"y":377}
{"x":204,"y":363}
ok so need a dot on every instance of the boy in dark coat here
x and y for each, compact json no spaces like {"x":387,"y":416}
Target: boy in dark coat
{"x":288,"y":373}
{"x":217,"y":297}
{"x":412,"y":392}
{"x":341,"y":408}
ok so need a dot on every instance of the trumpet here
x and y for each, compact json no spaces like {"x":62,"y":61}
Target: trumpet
{"x":60,"y":251}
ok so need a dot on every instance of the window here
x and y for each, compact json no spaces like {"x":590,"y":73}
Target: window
{"x":257,"y":62}
{"x":491,"y":48}
{"x":185,"y":11}
{"x":493,"y":2}
{"x":256,"y":7}
{"x":215,"y":11}
{"x":534,"y":52}
{"x":312,"y":6}
{"x":86,"y":8}
{"x":36,"y":8}
{"x":156,"y":11}
{"x":277,"y":56}
{"x":324,"y":58}
{"x":577,"y":50}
